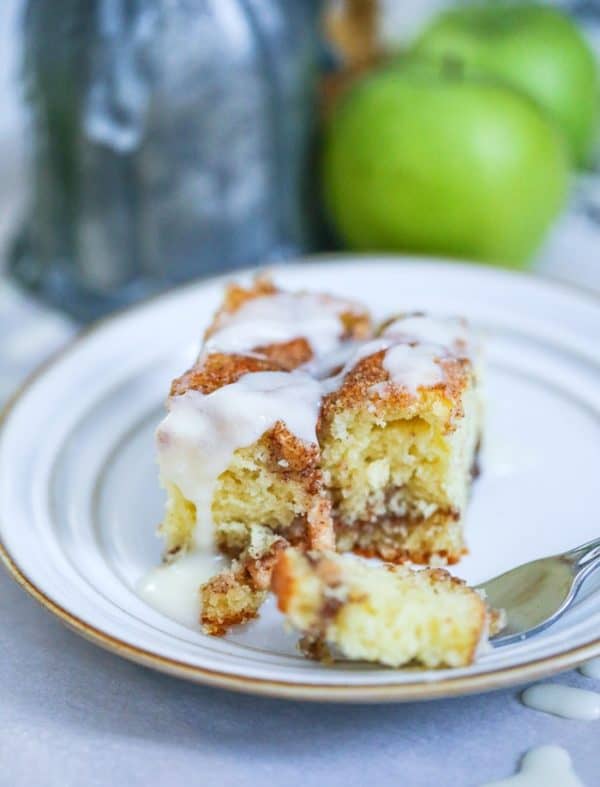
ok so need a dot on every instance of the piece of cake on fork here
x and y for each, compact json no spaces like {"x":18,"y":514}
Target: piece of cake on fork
{"x":390,"y":614}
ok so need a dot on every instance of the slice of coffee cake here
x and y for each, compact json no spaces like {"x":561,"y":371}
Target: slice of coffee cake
{"x":398,"y":435}
{"x":238,"y":446}
{"x":299,"y":425}
{"x":238,"y":452}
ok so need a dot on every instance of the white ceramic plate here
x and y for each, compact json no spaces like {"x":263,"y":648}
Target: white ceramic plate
{"x":79,"y":498}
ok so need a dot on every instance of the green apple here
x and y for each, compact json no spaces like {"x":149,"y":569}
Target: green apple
{"x":423,"y":158}
{"x":536,"y":49}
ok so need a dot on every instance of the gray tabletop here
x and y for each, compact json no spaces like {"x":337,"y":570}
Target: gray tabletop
{"x":73,"y":715}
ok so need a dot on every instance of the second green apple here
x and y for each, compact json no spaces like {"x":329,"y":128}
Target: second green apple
{"x":535,"y":49}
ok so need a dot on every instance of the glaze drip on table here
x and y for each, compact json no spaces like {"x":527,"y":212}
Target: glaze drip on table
{"x":545,"y":766}
{"x":566,"y":701}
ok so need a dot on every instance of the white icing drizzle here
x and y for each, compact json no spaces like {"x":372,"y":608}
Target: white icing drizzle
{"x":409,"y":366}
{"x":323,"y":366}
{"x":413,"y":347}
{"x":357,"y":352}
{"x":591,"y":669}
{"x":566,"y":701}
{"x":449,"y":332}
{"x":174,"y":588}
{"x":279,"y":318}
{"x":198,"y":437}
{"x":545,"y":766}
{"x":414,"y":366}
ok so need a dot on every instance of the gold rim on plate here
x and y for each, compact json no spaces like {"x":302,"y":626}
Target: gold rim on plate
{"x":499,"y":678}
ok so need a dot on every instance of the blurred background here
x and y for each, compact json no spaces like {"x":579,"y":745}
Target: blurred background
{"x":144,"y":143}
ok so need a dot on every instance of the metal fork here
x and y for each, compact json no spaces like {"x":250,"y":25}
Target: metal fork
{"x":536,"y":594}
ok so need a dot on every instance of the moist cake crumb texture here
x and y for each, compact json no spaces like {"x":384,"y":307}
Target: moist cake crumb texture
{"x":391,"y":614}
{"x":305,"y":428}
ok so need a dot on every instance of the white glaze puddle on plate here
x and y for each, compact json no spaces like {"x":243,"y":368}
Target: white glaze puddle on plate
{"x":173,"y":589}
